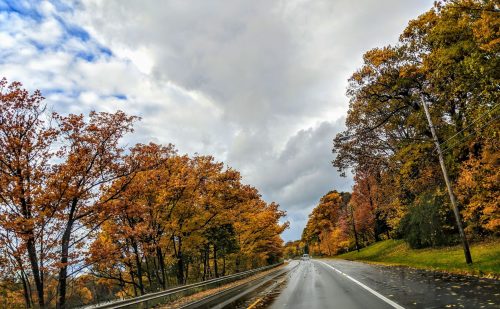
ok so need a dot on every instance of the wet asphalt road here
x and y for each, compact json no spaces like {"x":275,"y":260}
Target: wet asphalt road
{"x":315,"y":284}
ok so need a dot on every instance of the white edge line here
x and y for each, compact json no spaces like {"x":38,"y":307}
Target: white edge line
{"x":382,"y":297}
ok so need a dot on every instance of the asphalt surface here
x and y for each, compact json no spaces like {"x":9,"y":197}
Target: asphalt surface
{"x":344,"y":284}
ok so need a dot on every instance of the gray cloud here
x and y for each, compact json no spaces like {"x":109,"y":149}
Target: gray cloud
{"x":277,"y":70}
{"x":301,"y":173}
{"x":259,"y":84}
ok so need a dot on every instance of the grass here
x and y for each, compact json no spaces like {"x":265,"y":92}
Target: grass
{"x":486,"y":257}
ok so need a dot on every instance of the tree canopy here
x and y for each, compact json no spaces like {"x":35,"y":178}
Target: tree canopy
{"x":448,"y":56}
{"x":83,"y":218}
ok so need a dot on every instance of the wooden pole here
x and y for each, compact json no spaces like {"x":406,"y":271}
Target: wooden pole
{"x":465,"y":244}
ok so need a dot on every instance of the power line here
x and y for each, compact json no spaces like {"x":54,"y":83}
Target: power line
{"x":453,"y":146}
{"x":473,"y":122}
{"x":470,"y":135}
{"x":405,"y":183}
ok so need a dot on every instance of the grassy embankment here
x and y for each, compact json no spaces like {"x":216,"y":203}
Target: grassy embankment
{"x":486,"y":257}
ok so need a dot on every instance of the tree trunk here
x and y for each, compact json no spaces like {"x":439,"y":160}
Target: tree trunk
{"x":180,"y":262}
{"x":131,"y":272}
{"x":224,"y":265}
{"x":186,"y":273}
{"x":26,"y":290}
{"x":63,"y":270}
{"x":180,"y":268}
{"x":36,"y":270}
{"x":156,"y":272}
{"x":139,"y":267}
{"x":31,"y":247}
{"x":372,"y":207}
{"x":198,"y":270}
{"x":148,"y":273}
{"x":216,"y":270}
{"x":205,"y":263}
{"x":161,"y":261}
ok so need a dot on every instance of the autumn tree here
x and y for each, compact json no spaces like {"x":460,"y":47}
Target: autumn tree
{"x":293,"y":249}
{"x":191,"y":215}
{"x":26,"y":138}
{"x":478,"y":184}
{"x":448,"y":55}
{"x":92,"y":160}
{"x":54,"y":169}
{"x":328,"y":229}
{"x":77,"y":205}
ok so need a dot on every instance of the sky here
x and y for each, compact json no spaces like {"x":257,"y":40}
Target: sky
{"x":259,"y":84}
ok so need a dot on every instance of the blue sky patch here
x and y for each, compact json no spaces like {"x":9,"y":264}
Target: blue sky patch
{"x":120,"y":96}
{"x":62,"y":6}
{"x":91,"y":50}
{"x":106,"y":51}
{"x":73,"y":30}
{"x":69,"y":93}
{"x":86,"y":55}
{"x":53,"y":91}
{"x":20,"y":8}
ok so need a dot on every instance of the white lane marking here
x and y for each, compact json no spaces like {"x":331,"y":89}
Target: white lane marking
{"x":382,"y":297}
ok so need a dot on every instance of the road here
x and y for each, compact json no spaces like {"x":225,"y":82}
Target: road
{"x":346,"y":285}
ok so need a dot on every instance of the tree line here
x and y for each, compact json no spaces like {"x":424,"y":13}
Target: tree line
{"x":83,"y":218}
{"x":449,"y":57}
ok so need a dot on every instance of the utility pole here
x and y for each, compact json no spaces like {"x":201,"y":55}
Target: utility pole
{"x":465,"y":244}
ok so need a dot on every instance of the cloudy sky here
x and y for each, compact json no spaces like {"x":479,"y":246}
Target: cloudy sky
{"x":259,"y":84}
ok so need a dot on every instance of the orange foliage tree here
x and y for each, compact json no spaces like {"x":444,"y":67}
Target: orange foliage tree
{"x":329,"y":226}
{"x":448,"y":55}
{"x":74,"y":201}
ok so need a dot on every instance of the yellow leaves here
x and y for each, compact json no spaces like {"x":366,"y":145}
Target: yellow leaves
{"x":486,"y":31}
{"x":493,"y":224}
{"x":478,"y":188}
{"x":410,"y":71}
{"x":333,"y":241}
{"x":12,"y":299}
{"x":359,"y":75}
{"x":379,"y":56}
{"x":417,"y":26}
{"x":171,"y":205}
{"x":327,"y":223}
{"x":121,"y":294}
{"x":84,"y":294}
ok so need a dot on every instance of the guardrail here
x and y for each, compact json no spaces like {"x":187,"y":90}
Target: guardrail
{"x":153,"y":299}
{"x":227,"y":298}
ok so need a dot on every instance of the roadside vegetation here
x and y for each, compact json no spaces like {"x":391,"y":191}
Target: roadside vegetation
{"x":447,"y":58}
{"x":450,"y":259}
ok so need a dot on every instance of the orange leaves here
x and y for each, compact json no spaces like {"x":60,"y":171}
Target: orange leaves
{"x":71,"y":196}
{"x":487,"y":31}
{"x":379,"y":56}
{"x":450,"y":55}
{"x":478,"y":189}
{"x":328,"y":224}
{"x":175,"y":205}
{"x":52,"y":171}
